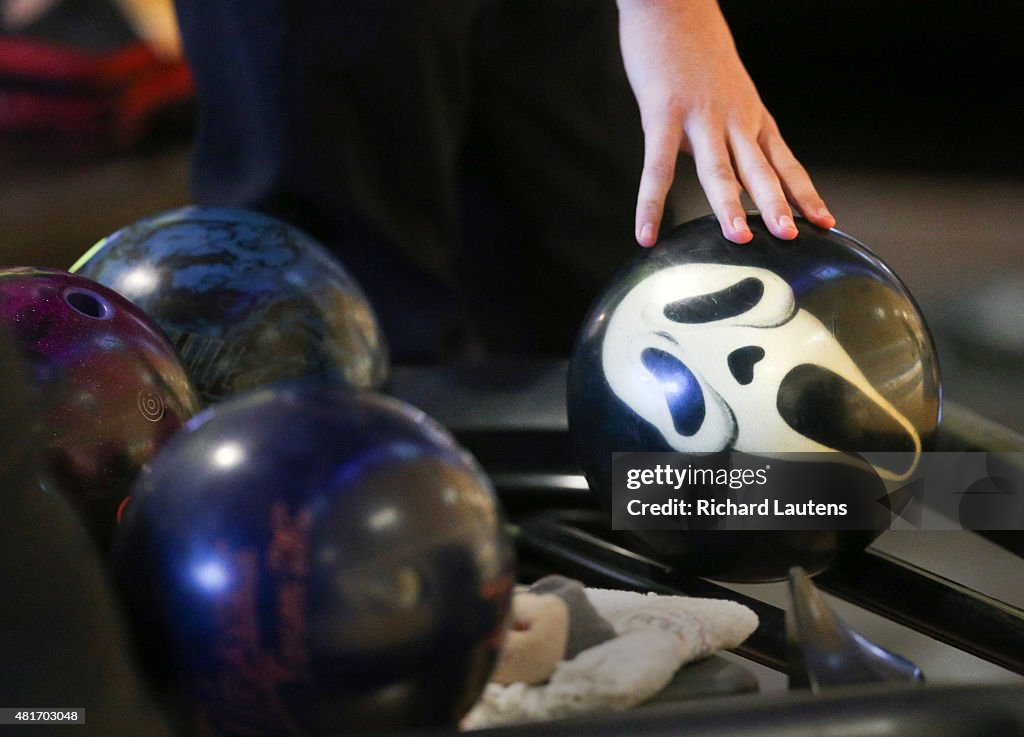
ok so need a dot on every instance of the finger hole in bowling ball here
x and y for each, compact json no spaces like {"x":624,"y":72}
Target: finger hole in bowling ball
{"x":88,"y":303}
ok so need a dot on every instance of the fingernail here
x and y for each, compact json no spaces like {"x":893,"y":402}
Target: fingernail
{"x":824,"y":213}
{"x":739,"y":224}
{"x":647,"y":232}
{"x":786,"y":222}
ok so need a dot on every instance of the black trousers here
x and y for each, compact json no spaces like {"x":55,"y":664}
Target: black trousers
{"x":473,"y":163}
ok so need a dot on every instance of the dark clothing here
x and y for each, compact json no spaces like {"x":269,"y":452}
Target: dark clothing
{"x":472,"y":162}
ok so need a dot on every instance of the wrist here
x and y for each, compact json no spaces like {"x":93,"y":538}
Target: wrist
{"x":694,"y":23}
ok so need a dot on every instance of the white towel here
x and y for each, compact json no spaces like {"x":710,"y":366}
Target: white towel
{"x":656,"y":635}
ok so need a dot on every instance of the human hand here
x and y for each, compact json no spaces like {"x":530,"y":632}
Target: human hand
{"x":695,"y":96}
{"x":536,"y":641}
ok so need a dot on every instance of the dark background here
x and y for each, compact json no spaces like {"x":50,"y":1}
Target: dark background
{"x":907,"y":114}
{"x":891,"y":84}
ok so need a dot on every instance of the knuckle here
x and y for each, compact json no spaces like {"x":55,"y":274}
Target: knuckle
{"x":794,"y":173}
{"x":674,"y":107}
{"x":668,"y":113}
{"x":660,"y":168}
{"x":721,"y":171}
{"x":649,"y":207}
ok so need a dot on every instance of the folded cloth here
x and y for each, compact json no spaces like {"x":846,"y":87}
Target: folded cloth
{"x":655,"y":636}
{"x":725,"y":624}
{"x":586,"y":627}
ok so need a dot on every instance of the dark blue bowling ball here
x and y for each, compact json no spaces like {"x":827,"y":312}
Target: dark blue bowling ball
{"x":310,"y":560}
{"x":245,"y":298}
{"x":700,"y":346}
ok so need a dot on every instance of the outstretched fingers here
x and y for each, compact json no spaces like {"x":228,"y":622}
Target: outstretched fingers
{"x":717,"y":176}
{"x":795,"y":181}
{"x":663,"y":138}
{"x":730,"y":162}
{"x":762,"y":184}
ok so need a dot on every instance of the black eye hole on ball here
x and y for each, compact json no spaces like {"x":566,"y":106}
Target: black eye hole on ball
{"x":680,"y":388}
{"x":721,"y":305}
{"x":88,"y":303}
{"x":741,"y":362}
{"x":823,"y":406}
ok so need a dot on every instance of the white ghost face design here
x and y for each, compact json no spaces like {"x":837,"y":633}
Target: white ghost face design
{"x":716,"y":357}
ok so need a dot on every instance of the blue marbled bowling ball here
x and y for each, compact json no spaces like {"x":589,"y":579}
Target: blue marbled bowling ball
{"x":246,"y":299}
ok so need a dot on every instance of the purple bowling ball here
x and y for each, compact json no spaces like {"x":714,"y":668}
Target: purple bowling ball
{"x":107,"y":387}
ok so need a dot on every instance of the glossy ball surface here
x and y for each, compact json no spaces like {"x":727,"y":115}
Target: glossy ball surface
{"x":308,"y":560}
{"x":701,"y":346}
{"x":108,"y":390}
{"x":245,"y":298}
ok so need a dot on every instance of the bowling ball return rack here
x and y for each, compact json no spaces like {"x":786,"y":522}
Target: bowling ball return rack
{"x":511,"y":415}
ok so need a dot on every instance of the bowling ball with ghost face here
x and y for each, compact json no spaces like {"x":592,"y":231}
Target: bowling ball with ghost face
{"x":702,"y":347}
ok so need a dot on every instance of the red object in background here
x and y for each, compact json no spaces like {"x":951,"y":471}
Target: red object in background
{"x":87,"y":99}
